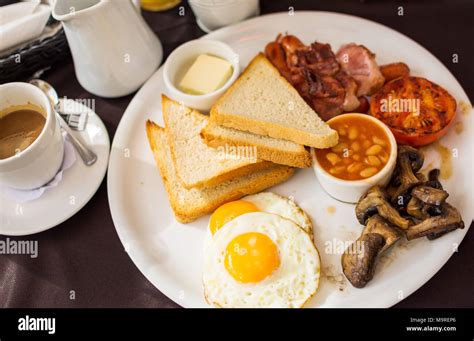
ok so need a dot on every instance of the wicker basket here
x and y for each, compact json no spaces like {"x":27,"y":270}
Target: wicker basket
{"x":23,"y":61}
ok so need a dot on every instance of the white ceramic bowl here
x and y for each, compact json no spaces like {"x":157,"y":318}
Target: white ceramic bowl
{"x":351,"y":190}
{"x":182,"y":58}
{"x":213,"y":14}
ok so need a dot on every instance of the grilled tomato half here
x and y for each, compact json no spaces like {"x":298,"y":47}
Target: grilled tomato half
{"x":416,"y":110}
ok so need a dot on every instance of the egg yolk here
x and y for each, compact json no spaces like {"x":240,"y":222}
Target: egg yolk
{"x":229,"y":211}
{"x":251,"y":257}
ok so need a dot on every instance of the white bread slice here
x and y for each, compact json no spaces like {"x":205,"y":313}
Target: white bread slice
{"x":261,"y":101}
{"x":196,"y":163}
{"x":279,"y":151}
{"x":190,"y":204}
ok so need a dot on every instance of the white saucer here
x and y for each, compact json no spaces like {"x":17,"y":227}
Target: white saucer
{"x":77,"y":187}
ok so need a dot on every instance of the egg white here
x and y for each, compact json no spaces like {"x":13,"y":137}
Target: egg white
{"x":294,"y":282}
{"x":285,"y":207}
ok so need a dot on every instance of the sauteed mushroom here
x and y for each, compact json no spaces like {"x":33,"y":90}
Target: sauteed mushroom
{"x":421,"y":177}
{"x":430,"y":195}
{"x":434,"y":227}
{"x":436,"y":235}
{"x":426,"y":200}
{"x":433,"y":179}
{"x":360,"y":258}
{"x":409,"y":161}
{"x":421,"y":212}
{"x":376,"y":201}
{"x":377,"y":224}
{"x":358,"y":263}
{"x":417,"y":209}
{"x":413,"y":155}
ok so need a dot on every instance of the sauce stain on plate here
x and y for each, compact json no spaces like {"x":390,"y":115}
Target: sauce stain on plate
{"x":445,"y":157}
{"x":459,"y":127}
{"x":465,"y":107}
{"x":446,"y":165}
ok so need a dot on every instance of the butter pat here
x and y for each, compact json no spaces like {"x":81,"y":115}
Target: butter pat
{"x":207,"y":74}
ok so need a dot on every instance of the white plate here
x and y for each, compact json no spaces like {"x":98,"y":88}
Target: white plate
{"x":78,"y":185}
{"x":169,"y":254}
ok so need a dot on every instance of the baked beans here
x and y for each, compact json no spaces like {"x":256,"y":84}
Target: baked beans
{"x":363,"y":149}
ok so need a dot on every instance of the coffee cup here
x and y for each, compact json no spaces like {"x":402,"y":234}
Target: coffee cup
{"x":32,"y":147}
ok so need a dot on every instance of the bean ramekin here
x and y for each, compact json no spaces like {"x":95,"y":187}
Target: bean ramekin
{"x":350,"y":191}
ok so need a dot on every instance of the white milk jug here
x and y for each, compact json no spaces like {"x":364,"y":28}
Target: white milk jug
{"x":113,"y":48}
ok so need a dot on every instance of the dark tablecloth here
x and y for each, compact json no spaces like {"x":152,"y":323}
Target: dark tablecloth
{"x":84,"y":256}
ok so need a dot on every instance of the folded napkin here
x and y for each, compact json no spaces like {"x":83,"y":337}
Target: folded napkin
{"x":22,"y":22}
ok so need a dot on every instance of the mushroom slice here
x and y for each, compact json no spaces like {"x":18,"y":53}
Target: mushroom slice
{"x":390,"y":190}
{"x":414,"y":155}
{"x":375,"y":201}
{"x":377,"y":224}
{"x":359,"y":259}
{"x":409,"y":161}
{"x":433,"y":210}
{"x":421,"y":177}
{"x":436,"y":235}
{"x":430,"y":195}
{"x":426,"y":199}
{"x":416,"y":208}
{"x":433,"y":180}
{"x":434,"y":227}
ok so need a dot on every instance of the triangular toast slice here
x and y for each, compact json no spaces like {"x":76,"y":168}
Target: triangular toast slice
{"x":267,"y":148}
{"x":190,"y":204}
{"x":196,"y":163}
{"x":261,"y":101}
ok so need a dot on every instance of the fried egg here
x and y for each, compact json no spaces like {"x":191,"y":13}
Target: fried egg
{"x":261,"y":202}
{"x":260,"y":260}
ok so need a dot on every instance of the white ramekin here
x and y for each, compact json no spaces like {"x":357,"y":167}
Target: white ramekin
{"x":182,"y":58}
{"x":351,"y":190}
{"x":213,"y":14}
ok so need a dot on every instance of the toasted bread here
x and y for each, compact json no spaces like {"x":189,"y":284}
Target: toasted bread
{"x":261,"y":101}
{"x":196,"y":163}
{"x":267,"y":148}
{"x":190,"y":204}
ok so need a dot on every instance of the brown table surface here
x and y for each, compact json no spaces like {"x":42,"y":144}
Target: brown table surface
{"x":84,"y":253}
